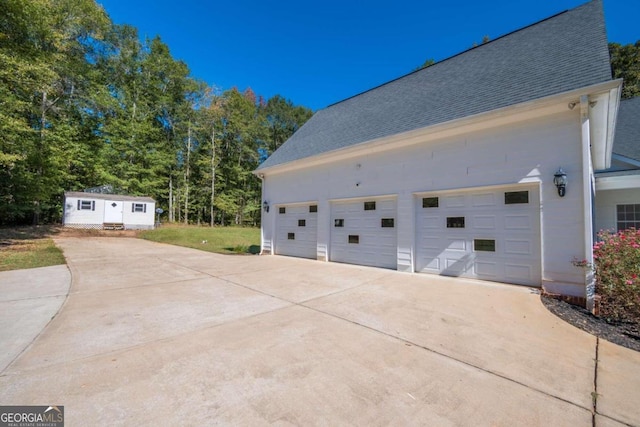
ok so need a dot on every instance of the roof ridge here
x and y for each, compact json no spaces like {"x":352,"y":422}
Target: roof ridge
{"x":460,"y":53}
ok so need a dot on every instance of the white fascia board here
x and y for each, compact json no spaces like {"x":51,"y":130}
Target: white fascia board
{"x":306,"y":202}
{"x":513,"y":113}
{"x":456,"y":190}
{"x":602,"y":118}
{"x":619,"y":182}
{"x":359,"y":198}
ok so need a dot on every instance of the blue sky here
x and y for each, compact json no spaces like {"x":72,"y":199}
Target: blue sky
{"x":318,"y":53}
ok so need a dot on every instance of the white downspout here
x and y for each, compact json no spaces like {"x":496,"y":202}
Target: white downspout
{"x":262,"y":213}
{"x":587,"y":197}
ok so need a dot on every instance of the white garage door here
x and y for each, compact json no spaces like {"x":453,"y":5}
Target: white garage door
{"x":490,"y":235}
{"x":364,"y":232}
{"x":297,"y":230}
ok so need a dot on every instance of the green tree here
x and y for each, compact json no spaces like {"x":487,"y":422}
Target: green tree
{"x":281,"y":119}
{"x":42,"y":52}
{"x":427,"y":63}
{"x":240,"y":137}
{"x":625,"y":64}
{"x":84,"y":102}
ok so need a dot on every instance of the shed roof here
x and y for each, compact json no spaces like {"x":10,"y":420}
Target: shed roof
{"x":114,"y":197}
{"x":565,"y":52}
{"x":627,"y":139}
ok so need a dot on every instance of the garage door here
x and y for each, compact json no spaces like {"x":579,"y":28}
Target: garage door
{"x":490,"y":235}
{"x":364,"y":232}
{"x":297,"y":230}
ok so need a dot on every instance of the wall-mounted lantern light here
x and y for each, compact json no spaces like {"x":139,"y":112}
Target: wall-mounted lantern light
{"x":560,"y":180}
{"x":265,"y":206}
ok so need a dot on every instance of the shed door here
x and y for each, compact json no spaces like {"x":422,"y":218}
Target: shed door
{"x":364,"y":232}
{"x":485,"y":234}
{"x":297,"y":230}
{"x":113,"y":211}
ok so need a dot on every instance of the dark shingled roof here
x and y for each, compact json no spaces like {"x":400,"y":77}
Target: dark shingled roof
{"x":102,"y":196}
{"x":562,"y":53}
{"x":627,"y":139}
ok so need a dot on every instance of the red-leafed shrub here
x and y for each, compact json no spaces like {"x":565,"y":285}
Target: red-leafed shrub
{"x":617,"y":273}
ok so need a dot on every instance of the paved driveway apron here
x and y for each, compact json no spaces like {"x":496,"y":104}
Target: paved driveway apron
{"x":158,"y":334}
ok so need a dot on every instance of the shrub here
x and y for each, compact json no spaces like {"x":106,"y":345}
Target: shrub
{"x":617,"y":273}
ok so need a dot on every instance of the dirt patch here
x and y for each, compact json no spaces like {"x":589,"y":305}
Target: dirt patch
{"x":78,"y":232}
{"x":624,"y":334}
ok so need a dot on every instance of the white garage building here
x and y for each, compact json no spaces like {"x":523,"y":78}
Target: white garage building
{"x":452,"y":169}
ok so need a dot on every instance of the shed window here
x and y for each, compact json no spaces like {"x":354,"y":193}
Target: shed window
{"x":302,"y":223}
{"x":291,"y":236}
{"x":387,"y":222}
{"x":429,"y":202}
{"x":139,"y":207}
{"x":86,"y":205}
{"x":628,"y":217}
{"x":338,"y":222}
{"x":282,"y":210}
{"x":353,"y":238}
{"x":516,"y":197}
{"x":484,"y":245}
{"x":313,"y":208}
{"x":455,"y":222}
{"x":369,"y":206}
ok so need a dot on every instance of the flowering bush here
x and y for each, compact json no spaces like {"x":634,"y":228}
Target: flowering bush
{"x":617,"y":273}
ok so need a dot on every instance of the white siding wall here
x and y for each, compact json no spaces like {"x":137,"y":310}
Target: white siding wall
{"x":139,"y":220}
{"x":73,"y":216}
{"x":528,"y":151}
{"x":606,"y":202}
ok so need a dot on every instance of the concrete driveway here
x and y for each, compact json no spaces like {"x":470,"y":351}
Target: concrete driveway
{"x":157,"y":334}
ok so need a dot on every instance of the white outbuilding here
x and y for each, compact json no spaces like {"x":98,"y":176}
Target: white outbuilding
{"x":108,"y":211}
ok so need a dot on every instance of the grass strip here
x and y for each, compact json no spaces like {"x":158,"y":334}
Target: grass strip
{"x":28,"y":247}
{"x":223,"y":240}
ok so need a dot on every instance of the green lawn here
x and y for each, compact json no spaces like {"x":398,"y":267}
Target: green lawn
{"x":224,"y":240}
{"x":28,"y":247}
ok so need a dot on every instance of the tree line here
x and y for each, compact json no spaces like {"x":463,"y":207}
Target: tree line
{"x":85,"y":102}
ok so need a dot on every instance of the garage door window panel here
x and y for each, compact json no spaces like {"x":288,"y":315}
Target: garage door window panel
{"x":369,"y":206}
{"x":313,"y":208}
{"x":430,"y":202}
{"x":282,"y":210}
{"x":302,"y":223}
{"x":516,"y":197}
{"x":354,"y":239}
{"x":338,"y":222}
{"x":484,"y":245}
{"x":387,"y":222}
{"x":455,"y":222}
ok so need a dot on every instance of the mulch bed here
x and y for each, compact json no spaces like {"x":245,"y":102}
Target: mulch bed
{"x":624,"y":334}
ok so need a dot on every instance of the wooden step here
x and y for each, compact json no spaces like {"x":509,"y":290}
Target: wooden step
{"x":113,"y":226}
